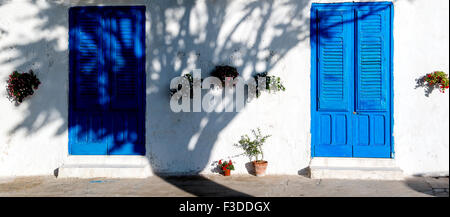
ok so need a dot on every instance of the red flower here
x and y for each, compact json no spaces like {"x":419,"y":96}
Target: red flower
{"x":429,"y":75}
{"x":229,"y":163}
{"x":220,"y":161}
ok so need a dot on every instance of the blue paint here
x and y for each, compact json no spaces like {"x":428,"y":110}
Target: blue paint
{"x":101,"y":181}
{"x":107,"y":80}
{"x":351,"y":79}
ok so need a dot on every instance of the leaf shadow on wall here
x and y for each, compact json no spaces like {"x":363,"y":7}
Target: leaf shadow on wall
{"x":181,"y":36}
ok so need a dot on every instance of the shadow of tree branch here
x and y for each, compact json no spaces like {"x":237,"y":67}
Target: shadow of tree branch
{"x":181,"y":36}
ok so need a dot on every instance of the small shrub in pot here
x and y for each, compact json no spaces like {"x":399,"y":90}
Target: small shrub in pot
{"x":253,"y":149}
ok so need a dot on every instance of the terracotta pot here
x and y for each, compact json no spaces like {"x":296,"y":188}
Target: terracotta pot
{"x":226,"y":172}
{"x":260,"y":167}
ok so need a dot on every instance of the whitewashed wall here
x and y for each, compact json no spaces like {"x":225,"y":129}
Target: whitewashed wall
{"x":254,"y":36}
{"x":421,"y":124}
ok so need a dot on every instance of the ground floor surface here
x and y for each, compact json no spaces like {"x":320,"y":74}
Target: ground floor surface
{"x":215,"y":185}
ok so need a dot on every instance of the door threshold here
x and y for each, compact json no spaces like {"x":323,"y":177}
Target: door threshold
{"x":355,"y":168}
{"x":91,"y":166}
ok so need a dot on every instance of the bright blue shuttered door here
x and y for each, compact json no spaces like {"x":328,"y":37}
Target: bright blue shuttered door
{"x":351,"y":116}
{"x":107,"y":101}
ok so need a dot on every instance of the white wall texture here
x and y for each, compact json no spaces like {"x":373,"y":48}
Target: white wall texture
{"x":254,"y":36}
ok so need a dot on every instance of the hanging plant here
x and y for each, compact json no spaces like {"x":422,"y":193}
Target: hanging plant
{"x":273,"y":83}
{"x":224,"y":71}
{"x":191,"y":84}
{"x":21,"y":85}
{"x":437,"y":79}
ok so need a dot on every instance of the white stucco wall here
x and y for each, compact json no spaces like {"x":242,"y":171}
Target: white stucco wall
{"x":254,"y":36}
{"x":421,"y":124}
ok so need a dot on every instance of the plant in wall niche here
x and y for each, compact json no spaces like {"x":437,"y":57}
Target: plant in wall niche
{"x":273,"y":83}
{"x":226,"y":167}
{"x":430,"y":81}
{"x":224,"y":71}
{"x":191,"y":83}
{"x":21,"y":85}
{"x":253,"y":149}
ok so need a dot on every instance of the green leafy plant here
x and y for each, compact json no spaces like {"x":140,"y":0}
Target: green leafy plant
{"x":437,"y":79}
{"x":226,"y":165}
{"x":253,"y":147}
{"x":273,"y":83}
{"x":21,"y":85}
{"x":191,"y":84}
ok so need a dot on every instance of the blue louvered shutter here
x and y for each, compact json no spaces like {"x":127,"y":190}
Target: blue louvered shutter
{"x":127,"y":52}
{"x":88,"y":54}
{"x":127,"y":62}
{"x":334,"y":56}
{"x":88,"y":121}
{"x":373,"y":32}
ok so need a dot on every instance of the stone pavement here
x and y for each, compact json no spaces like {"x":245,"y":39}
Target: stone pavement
{"x":215,"y":185}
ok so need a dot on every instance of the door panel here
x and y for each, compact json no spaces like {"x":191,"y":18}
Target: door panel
{"x":373,"y":81}
{"x":334,"y":73}
{"x":88,"y":133}
{"x":128,"y":134}
{"x":127,"y":72}
{"x":125,"y":59}
{"x":373,"y":59}
{"x":340,"y":129}
{"x":363,"y":128}
{"x":325,"y":129}
{"x":372,"y":136}
{"x":334,"y":60}
{"x":87,"y":121}
{"x":87,"y":53}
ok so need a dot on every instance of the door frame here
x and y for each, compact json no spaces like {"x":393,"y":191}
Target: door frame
{"x":313,"y":74}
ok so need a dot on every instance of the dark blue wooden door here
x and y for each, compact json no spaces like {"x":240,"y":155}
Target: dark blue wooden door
{"x":351,"y":80}
{"x":107,"y":75}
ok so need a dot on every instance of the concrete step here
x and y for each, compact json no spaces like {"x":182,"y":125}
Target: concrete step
{"x":355,"y":168}
{"x":105,"y":167}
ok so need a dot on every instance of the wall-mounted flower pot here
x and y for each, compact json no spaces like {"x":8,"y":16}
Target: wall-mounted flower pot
{"x":260,"y":167}
{"x":22,"y":85}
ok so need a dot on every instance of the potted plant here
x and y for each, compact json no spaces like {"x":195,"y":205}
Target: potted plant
{"x":189,"y":78}
{"x":226,"y":167}
{"x":223,"y":72}
{"x":253,"y":149}
{"x":22,"y":85}
{"x":437,"y":79}
{"x":273,"y":83}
